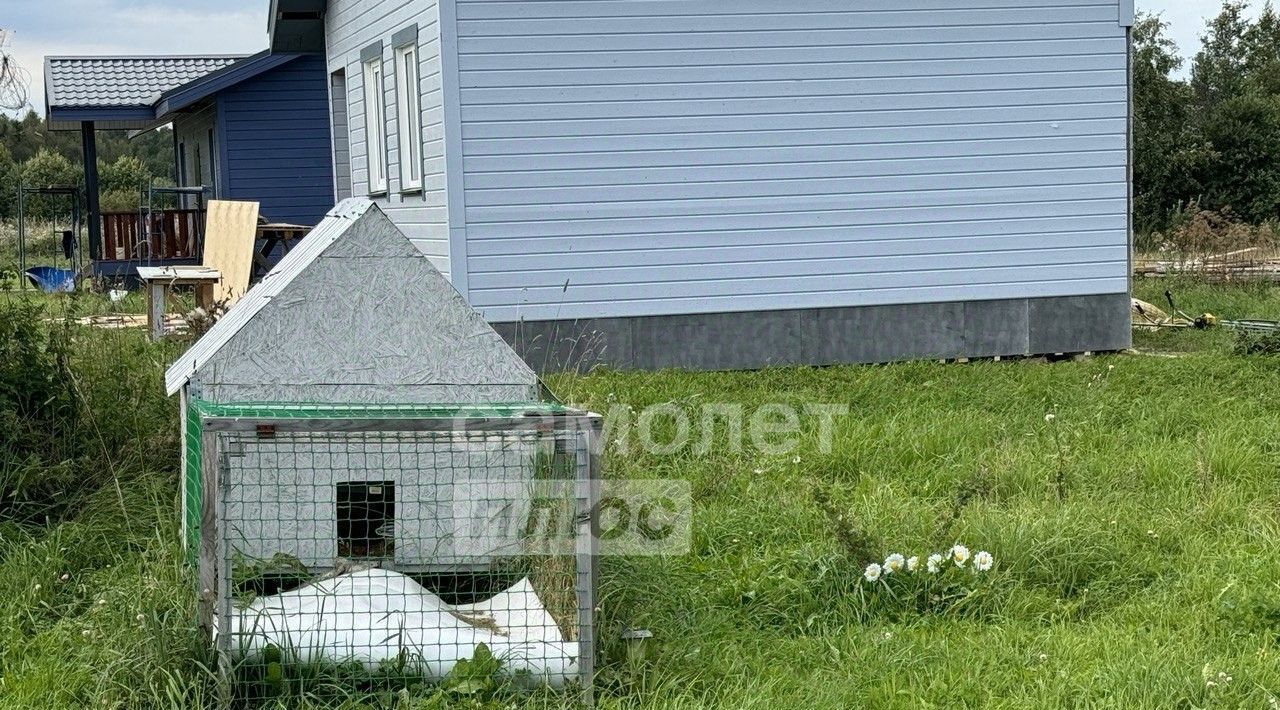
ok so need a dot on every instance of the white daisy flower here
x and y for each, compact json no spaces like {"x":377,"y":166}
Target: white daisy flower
{"x":872,"y":572}
{"x":960,"y":555}
{"x":983,"y":561}
{"x":1050,"y":417}
{"x":913,"y":563}
{"x":934,"y":564}
{"x":894,"y":563}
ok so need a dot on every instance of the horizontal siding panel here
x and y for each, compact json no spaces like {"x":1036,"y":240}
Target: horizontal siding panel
{"x":637,"y":303}
{"x":793,"y":122}
{"x":939,"y":276}
{"x":572,"y":9}
{"x":658,"y":244}
{"x":767,"y":57}
{"x":792,"y":155}
{"x":639,"y":225}
{"x":303,"y":161}
{"x":760,"y":110}
{"x":482,"y":182}
{"x":847,"y":267}
{"x":848,"y":190}
{"x":674,"y":93}
{"x":748,"y":138}
{"x":788,"y":21}
{"x":924,"y":34}
{"x":758,"y":75}
{"x":806,"y":203}
{"x":729,"y":250}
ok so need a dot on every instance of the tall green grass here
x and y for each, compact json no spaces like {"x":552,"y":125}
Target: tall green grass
{"x":96,"y":607}
{"x":1135,"y":536}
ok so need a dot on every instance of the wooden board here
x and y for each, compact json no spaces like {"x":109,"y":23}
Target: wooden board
{"x":229,"y":233}
{"x":179,"y":274}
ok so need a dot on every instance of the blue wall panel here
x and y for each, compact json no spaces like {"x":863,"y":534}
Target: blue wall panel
{"x":275,"y":142}
{"x":626,"y":158}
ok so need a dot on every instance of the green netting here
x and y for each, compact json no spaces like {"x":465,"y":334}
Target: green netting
{"x":198,"y":409}
{"x":371,"y":411}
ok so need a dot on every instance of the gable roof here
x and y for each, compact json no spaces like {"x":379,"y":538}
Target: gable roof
{"x":243,"y":69}
{"x":116,"y":91}
{"x":78,"y":82}
{"x":353,"y":314}
{"x":140,"y":92}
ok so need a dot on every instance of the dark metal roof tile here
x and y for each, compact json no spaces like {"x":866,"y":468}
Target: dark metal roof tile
{"x":121,"y":81}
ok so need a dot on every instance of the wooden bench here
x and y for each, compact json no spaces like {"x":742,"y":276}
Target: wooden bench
{"x":159,"y":279}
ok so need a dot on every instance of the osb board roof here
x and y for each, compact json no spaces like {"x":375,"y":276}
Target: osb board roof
{"x":354,"y":314}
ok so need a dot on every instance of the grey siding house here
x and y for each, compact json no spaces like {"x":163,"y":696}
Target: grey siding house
{"x":692,"y":183}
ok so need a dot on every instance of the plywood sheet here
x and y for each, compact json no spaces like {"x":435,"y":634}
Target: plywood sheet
{"x":230,"y":231}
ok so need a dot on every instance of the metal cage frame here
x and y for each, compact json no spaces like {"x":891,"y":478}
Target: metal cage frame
{"x":214,"y":562}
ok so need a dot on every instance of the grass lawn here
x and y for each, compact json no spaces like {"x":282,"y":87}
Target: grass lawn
{"x":1136,"y":538}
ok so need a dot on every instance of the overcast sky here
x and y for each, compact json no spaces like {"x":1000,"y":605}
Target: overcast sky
{"x":77,"y":27}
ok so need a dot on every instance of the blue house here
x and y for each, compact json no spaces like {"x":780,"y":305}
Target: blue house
{"x":711,"y":184}
{"x":245,"y":128}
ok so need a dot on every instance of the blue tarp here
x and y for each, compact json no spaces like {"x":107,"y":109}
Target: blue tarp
{"x":52,"y":280}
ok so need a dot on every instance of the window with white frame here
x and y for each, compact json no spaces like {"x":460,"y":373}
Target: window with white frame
{"x":375,"y":125}
{"x":408,"y":117}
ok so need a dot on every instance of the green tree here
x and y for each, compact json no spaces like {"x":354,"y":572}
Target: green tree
{"x":1217,"y":74}
{"x":1170,"y":154}
{"x":1236,"y":80}
{"x":120,"y":182}
{"x":48,"y":169}
{"x":8,"y":182}
{"x":1245,"y":176}
{"x":1261,"y":48}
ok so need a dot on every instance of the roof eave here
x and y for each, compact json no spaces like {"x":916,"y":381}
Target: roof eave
{"x":184,"y":96}
{"x":68,"y":118}
{"x":296,"y":25}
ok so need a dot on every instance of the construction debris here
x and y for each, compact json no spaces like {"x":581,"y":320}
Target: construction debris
{"x":1146,"y":316}
{"x":1248,"y":264}
{"x":117,"y":321}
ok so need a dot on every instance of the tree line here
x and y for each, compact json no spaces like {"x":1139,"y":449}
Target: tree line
{"x":1210,"y":140}
{"x":33,"y":155}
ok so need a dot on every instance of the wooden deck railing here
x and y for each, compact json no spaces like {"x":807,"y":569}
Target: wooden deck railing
{"x":174,"y":234}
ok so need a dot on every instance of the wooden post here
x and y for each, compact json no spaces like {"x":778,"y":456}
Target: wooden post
{"x":204,"y":296}
{"x":22,"y":236}
{"x":591,"y":439}
{"x":89,"y":145}
{"x":156,"y":292}
{"x":207,"y":587}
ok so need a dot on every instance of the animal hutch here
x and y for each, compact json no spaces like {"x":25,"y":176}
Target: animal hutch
{"x":375,"y":489}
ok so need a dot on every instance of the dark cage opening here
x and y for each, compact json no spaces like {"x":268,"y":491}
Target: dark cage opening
{"x":366,"y":519}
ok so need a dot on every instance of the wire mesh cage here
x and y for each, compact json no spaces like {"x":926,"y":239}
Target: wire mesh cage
{"x":383,"y":547}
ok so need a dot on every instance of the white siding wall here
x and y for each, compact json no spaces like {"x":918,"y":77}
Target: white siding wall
{"x":699,"y":156}
{"x":352,"y":25}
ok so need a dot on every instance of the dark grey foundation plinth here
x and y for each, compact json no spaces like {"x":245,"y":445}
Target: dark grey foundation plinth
{"x":863,"y":334}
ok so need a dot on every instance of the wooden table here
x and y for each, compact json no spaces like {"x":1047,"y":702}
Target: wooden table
{"x":159,"y":279}
{"x":271,"y":235}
